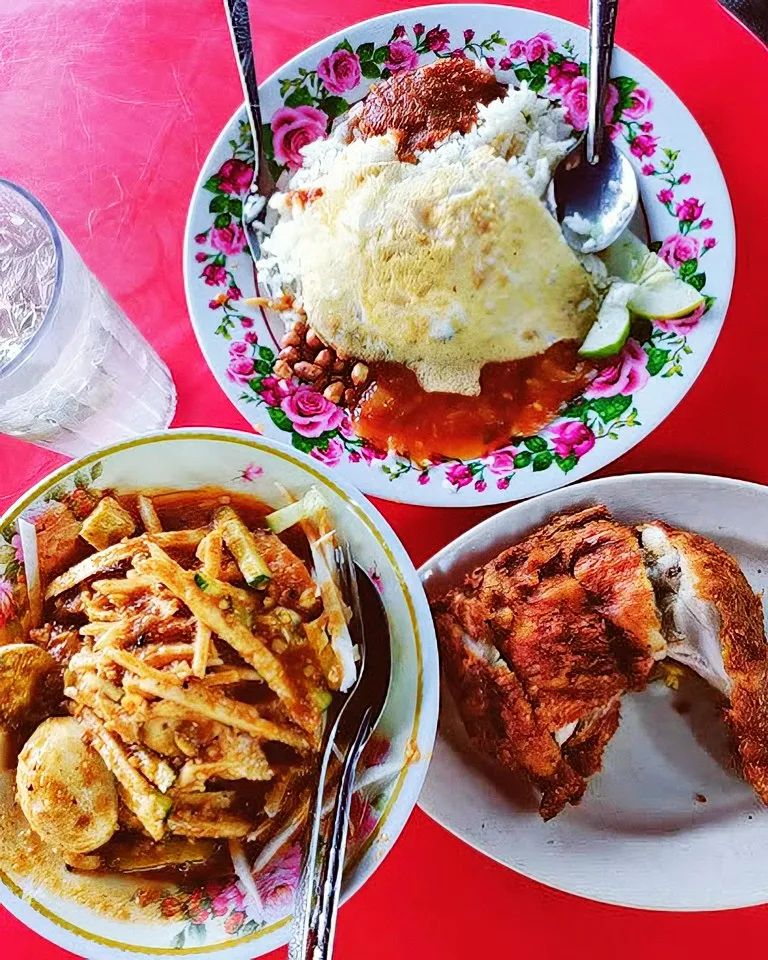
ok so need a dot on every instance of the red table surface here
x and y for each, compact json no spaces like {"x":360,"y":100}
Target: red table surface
{"x":107,"y":111}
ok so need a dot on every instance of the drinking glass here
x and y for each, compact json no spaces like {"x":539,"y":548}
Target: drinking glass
{"x":75,"y":374}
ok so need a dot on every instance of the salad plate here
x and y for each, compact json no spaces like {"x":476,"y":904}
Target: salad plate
{"x":102,"y":915}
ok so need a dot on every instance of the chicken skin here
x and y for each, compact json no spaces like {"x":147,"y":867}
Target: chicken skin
{"x":539,"y":645}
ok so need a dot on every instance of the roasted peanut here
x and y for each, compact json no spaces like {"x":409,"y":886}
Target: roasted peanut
{"x":359,"y":374}
{"x":307,"y":371}
{"x":282,"y":370}
{"x":334,"y":391}
{"x":312,"y":340}
{"x":289,"y":354}
{"x":349,"y":397}
{"x":324,"y":358}
{"x":291,"y":339}
{"x":339,"y":366}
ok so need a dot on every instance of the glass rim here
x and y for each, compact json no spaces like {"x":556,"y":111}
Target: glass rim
{"x":53,"y":230}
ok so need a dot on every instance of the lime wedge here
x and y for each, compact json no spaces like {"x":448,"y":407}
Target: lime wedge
{"x":629,"y":259}
{"x":625,"y":257}
{"x":665,"y":298}
{"x":609,"y":332}
{"x":658,"y":293}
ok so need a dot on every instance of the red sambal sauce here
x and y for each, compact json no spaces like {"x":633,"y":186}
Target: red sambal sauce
{"x":516,"y":399}
{"x":427,"y":105}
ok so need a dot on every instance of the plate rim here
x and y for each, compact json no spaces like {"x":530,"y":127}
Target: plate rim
{"x":53,"y":924}
{"x":620,"y":480}
{"x":409,"y":493}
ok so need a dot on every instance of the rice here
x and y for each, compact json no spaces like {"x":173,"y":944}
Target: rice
{"x":524,"y":129}
{"x":527,"y":131}
{"x":443,"y":264}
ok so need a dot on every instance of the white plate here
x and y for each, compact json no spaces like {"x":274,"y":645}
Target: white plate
{"x":204,"y":920}
{"x":591,"y":436}
{"x":640,"y":836}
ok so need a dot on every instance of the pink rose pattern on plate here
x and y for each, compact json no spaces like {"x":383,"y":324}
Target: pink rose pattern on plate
{"x":571,"y":438}
{"x":293,"y":128}
{"x":251,"y":473}
{"x":340,"y":71}
{"x":226,"y":904}
{"x":401,"y":56}
{"x":310,"y":413}
{"x":312,"y":100}
{"x":7,"y":602}
{"x":627,"y":374}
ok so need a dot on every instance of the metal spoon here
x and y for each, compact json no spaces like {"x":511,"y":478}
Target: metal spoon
{"x":317,"y":900}
{"x":263,"y":184}
{"x":594,"y":188}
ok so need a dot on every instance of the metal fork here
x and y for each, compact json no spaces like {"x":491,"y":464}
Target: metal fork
{"x":263,"y":184}
{"x":317,"y":898}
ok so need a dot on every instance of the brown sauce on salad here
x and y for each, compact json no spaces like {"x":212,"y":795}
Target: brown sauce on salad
{"x":178,"y":511}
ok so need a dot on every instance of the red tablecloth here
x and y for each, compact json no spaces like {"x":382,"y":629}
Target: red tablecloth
{"x":107,"y":111}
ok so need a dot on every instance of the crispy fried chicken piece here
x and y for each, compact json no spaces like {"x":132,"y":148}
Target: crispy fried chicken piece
{"x":539,"y":645}
{"x":583,"y":749}
{"x":499,"y":718}
{"x":714,"y":624}
{"x":603,"y":557}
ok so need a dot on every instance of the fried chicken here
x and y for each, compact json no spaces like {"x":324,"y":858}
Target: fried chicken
{"x":713,"y":622}
{"x":539,"y":645}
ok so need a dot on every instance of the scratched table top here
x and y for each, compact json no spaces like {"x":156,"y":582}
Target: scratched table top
{"x":107,"y":112}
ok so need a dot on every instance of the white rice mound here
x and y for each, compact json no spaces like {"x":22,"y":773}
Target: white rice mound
{"x":526,"y":130}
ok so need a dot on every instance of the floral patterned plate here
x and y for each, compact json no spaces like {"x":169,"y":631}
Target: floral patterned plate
{"x":686,"y":199}
{"x":218,"y":918}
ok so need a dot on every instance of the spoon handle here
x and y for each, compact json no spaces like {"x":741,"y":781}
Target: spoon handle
{"x":602,"y":26}
{"x":240,"y":31}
